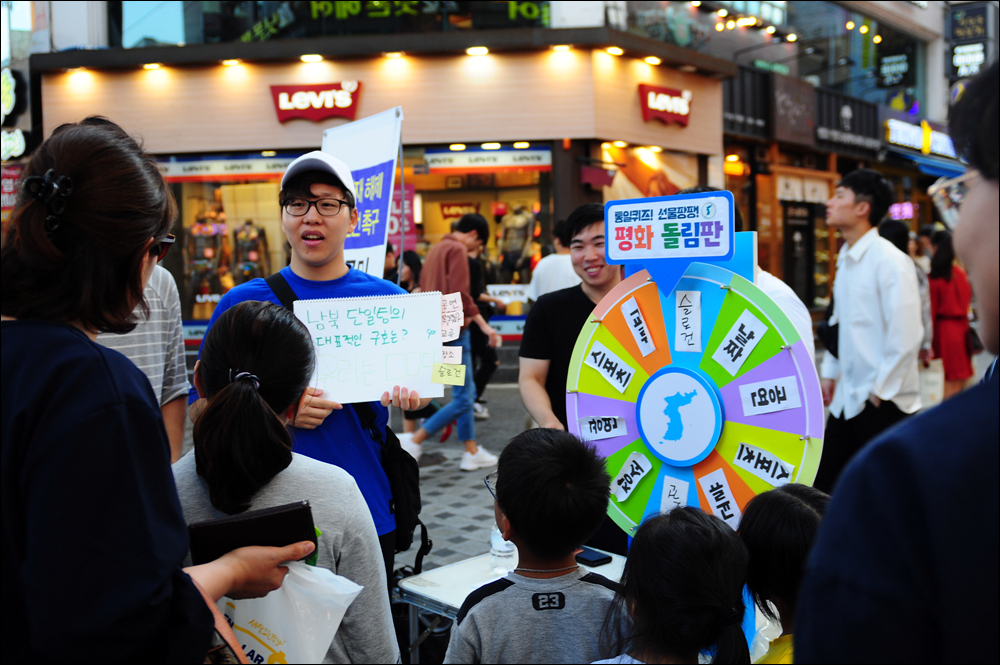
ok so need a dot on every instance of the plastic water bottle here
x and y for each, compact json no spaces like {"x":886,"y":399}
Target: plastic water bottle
{"x":503,"y":553}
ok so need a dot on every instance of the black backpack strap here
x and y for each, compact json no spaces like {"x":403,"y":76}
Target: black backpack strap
{"x":279,"y":285}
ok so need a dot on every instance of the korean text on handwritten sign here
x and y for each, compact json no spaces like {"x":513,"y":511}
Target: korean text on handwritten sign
{"x":770,"y":396}
{"x":637,"y":326}
{"x":452,"y":317}
{"x":763,"y":464}
{"x":635,"y":469}
{"x":720,"y":497}
{"x":373,"y":185}
{"x":365,"y":346}
{"x":739,"y":342}
{"x":654,"y":229}
{"x":687,"y":322}
{"x":452,"y":375}
{"x":615,"y":370}
{"x":596,"y":428}
{"x":451,"y":355}
{"x":675,"y":494}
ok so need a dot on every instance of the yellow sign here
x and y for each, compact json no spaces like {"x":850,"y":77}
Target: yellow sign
{"x":452,"y":375}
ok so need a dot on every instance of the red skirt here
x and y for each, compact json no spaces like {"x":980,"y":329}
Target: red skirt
{"x":949,"y":346}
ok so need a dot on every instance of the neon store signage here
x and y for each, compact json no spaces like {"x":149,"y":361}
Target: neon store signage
{"x":919,"y":137}
{"x":316,"y":102}
{"x":14,"y":143}
{"x":665,"y":104}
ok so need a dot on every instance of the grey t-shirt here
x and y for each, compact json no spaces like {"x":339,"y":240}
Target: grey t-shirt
{"x":523,"y":620}
{"x":156,"y":345}
{"x":349,"y":545}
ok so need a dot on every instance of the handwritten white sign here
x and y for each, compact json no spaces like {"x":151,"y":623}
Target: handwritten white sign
{"x":637,"y":324}
{"x":770,"y":396}
{"x":452,"y":317}
{"x":597,"y":427}
{"x":675,"y":494}
{"x":635,"y":469}
{"x":720,"y":497}
{"x":615,"y":370}
{"x":451,"y":355}
{"x":367,"y":345}
{"x":687,"y":322}
{"x":766,"y":466}
{"x":739,"y":342}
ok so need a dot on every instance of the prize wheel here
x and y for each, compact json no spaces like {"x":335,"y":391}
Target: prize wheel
{"x":705,"y":396}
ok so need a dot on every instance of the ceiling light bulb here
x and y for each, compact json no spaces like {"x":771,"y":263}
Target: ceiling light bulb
{"x":655,"y":148}
{"x":477,"y":50}
{"x":561,"y":48}
{"x":457,"y":147}
{"x":312,"y":57}
{"x":653,"y":60}
{"x":791,"y":37}
{"x":850,"y":25}
{"x":521,"y":145}
{"x":394,"y":54}
{"x":490,"y":146}
{"x":863,"y":30}
{"x":723,"y":13}
{"x":620,"y":144}
{"x":151,"y":65}
{"x":877,"y":39}
{"x":231,"y":62}
{"x":614,"y":50}
{"x":770,"y":30}
{"x":719,"y":27}
{"x":730,"y":24}
{"x":732,"y":158}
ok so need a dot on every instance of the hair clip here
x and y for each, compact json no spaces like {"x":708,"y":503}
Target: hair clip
{"x":245,"y":375}
{"x":51,"y":190}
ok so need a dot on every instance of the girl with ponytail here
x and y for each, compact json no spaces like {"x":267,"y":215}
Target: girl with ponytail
{"x":256,"y":362}
{"x":683,"y":590}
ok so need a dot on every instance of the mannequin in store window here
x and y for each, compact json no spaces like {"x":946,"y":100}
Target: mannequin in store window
{"x":251,"y":259}
{"x":515,"y":242}
{"x":208,"y":251}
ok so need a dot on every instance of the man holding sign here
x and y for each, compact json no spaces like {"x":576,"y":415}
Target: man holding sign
{"x":318,"y":211}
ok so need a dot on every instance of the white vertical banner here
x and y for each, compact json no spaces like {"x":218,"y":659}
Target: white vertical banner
{"x":370,"y":148}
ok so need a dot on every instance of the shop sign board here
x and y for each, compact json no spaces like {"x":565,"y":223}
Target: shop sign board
{"x":968,"y":59}
{"x":8,"y":190}
{"x":920,"y":137}
{"x":969,"y":21}
{"x":443,"y":160}
{"x":12,"y":104}
{"x":196,"y":170}
{"x":665,"y":104}
{"x":849,"y":124}
{"x":316,"y":102}
{"x":792,"y":110}
{"x":896,"y":70}
{"x":403,"y":207}
{"x":370,"y":148}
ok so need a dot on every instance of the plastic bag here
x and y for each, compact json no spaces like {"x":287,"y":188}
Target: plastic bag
{"x":296,"y":623}
{"x":931,"y":384}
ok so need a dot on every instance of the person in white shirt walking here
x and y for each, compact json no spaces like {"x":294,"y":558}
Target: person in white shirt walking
{"x":555,"y":271}
{"x":872,"y":384}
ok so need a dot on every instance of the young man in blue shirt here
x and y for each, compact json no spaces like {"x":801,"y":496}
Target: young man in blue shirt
{"x":317,"y":213}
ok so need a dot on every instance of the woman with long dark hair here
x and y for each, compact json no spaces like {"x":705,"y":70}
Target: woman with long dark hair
{"x":683,"y":589}
{"x":951,"y":296}
{"x":93,"y":536}
{"x":256,"y":361}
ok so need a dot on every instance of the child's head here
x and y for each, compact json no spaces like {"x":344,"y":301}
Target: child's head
{"x":779,"y":528}
{"x":256,"y":361}
{"x":553,"y":490}
{"x":683,"y":587}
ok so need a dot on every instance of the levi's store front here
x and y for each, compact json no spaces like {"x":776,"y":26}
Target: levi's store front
{"x":520,"y":137}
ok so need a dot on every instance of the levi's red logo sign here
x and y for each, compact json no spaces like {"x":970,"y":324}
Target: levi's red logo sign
{"x":665,"y":104}
{"x":316,"y":102}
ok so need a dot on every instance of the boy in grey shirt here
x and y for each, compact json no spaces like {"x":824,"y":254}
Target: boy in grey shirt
{"x":551,"y":494}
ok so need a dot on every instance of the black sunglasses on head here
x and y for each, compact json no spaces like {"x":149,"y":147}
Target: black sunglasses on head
{"x":160,"y":249}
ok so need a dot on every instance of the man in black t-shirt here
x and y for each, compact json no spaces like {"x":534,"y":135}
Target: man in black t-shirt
{"x":557,"y":318}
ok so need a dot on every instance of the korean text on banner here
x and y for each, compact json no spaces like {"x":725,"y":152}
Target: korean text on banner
{"x":370,"y":148}
{"x":365,"y":346}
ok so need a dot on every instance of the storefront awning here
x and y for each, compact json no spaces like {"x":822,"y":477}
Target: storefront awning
{"x":942,"y":168}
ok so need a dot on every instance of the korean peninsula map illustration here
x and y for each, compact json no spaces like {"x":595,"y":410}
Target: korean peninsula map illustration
{"x":675,"y":425}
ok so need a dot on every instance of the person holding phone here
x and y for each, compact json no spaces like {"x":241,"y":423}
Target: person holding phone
{"x":243,"y":460}
{"x":93,"y":537}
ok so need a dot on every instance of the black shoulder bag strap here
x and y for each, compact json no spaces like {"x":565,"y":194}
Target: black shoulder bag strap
{"x":401,"y":469}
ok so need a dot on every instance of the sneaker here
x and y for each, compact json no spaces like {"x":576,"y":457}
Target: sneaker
{"x":480,"y":460}
{"x":406,"y":443}
{"x":479,"y":411}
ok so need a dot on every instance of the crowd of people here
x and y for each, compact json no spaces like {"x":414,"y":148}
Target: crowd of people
{"x":890,"y":557}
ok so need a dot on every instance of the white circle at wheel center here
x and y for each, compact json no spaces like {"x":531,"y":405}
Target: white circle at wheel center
{"x":679,"y":415}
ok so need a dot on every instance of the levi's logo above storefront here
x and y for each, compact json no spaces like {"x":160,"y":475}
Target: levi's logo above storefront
{"x":665,"y":104}
{"x":316,"y":102}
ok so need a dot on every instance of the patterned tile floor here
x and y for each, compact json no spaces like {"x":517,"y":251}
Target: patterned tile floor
{"x":457,"y":507}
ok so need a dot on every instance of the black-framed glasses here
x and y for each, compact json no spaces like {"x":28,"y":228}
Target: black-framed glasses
{"x":160,"y":249}
{"x":325,"y":207}
{"x":491,"y":484}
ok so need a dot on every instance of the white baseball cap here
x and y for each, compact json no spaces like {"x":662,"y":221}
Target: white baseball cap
{"x":317,"y":160}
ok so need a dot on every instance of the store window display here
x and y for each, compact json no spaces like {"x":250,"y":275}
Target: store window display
{"x":252,"y":259}
{"x":514,"y":246}
{"x":208,"y":260}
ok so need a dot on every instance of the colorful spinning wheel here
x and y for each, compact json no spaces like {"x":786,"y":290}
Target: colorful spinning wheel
{"x":703,"y":397}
